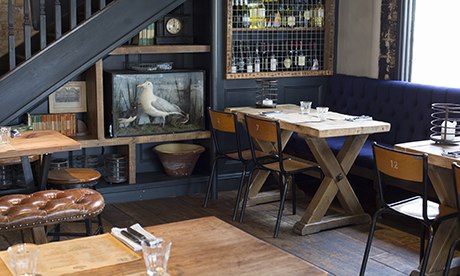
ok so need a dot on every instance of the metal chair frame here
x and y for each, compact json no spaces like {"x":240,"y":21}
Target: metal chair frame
{"x":269,"y":131}
{"x":226,"y":122}
{"x":411,"y":168}
{"x":456,"y":176}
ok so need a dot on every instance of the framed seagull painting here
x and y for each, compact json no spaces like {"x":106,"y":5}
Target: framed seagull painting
{"x":153,"y":102}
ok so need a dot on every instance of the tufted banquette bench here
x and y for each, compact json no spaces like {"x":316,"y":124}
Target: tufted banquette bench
{"x":36,"y":210}
{"x":407,"y":106}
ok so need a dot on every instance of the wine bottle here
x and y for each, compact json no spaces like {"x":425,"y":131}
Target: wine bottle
{"x":302,"y":58}
{"x":245,"y":15}
{"x":277,"y":19}
{"x":315,"y":65}
{"x":261,"y":13}
{"x":287,"y":60}
{"x":266,"y":57}
{"x":249,"y":66}
{"x":273,"y":60}
{"x":257,"y":60}
{"x":307,"y":16}
{"x":291,"y":17}
{"x":299,"y":19}
{"x":315,"y":16}
{"x":235,"y":13}
{"x":234,"y":67}
{"x":320,"y":17}
{"x":253,"y":14}
{"x":296,"y":56}
{"x":241,"y":63}
{"x":283,"y":13}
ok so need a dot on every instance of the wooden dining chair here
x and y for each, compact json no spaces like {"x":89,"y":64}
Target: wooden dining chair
{"x":268,"y":132}
{"x":406,"y":168}
{"x":456,"y":174}
{"x":225,"y":125}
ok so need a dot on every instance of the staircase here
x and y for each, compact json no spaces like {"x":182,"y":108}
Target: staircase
{"x":73,"y":52}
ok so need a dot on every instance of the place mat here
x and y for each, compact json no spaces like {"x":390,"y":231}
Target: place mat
{"x":79,"y":254}
{"x":295,"y":118}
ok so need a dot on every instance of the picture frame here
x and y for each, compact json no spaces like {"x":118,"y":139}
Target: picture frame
{"x":70,"y":98}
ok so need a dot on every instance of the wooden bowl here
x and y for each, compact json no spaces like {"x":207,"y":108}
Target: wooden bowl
{"x":178,"y":159}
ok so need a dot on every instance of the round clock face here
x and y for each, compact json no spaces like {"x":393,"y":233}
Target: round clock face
{"x":173,"y":26}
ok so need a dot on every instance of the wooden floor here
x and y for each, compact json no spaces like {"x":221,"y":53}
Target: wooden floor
{"x":337,"y":251}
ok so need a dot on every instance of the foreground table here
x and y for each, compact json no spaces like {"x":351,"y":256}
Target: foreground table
{"x":208,"y":246}
{"x":39,"y":142}
{"x":335,"y":168}
{"x":440,"y":174}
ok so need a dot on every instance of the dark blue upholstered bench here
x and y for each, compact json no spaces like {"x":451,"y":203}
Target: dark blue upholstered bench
{"x":407,"y":106}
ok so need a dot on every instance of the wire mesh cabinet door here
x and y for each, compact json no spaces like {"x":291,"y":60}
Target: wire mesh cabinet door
{"x":279,"y":38}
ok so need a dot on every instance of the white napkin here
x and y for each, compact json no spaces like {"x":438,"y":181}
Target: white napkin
{"x":116,"y":232}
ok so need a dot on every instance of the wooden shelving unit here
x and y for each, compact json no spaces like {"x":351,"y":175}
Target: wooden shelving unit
{"x":95,"y":102}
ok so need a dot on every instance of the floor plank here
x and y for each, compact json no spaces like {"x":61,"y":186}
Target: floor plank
{"x":338,"y":251}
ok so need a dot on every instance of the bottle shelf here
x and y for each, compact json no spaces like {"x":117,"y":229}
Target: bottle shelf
{"x":160,"y":49}
{"x":280,"y":74}
{"x":281,"y":29}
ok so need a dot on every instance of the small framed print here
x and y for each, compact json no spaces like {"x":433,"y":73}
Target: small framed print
{"x":70,"y":98}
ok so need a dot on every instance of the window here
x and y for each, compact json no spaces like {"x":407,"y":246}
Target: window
{"x":435,"y":57}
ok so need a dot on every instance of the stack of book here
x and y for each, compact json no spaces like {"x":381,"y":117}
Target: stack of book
{"x":147,"y":35}
{"x":65,"y":123}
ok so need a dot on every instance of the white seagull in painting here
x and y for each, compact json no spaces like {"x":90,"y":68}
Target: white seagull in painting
{"x":155,"y":106}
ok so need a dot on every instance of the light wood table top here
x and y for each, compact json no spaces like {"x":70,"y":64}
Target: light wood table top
{"x":441,"y":176}
{"x":209,"y":246}
{"x":38,"y":142}
{"x":335,"y":124}
{"x":434,"y":151}
{"x":335,"y":167}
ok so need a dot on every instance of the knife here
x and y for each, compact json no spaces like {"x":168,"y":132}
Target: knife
{"x":130,"y":236}
{"x":135,"y":233}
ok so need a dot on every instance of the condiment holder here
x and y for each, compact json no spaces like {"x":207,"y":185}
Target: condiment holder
{"x":445,"y":123}
{"x":267,"y":93}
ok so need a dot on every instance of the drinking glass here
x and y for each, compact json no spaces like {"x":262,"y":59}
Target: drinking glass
{"x":23,"y":258}
{"x":322,"y":111}
{"x":156,"y":256}
{"x":305,"y":107}
{"x":5,"y":135}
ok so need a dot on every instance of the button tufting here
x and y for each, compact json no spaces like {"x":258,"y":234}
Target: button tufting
{"x":39,"y":208}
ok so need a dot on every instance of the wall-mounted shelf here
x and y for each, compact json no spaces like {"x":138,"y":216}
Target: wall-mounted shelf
{"x":170,"y":137}
{"x":278,"y":29}
{"x":160,"y":49}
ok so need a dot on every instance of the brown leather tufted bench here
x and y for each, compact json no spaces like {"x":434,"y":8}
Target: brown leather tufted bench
{"x":36,"y":210}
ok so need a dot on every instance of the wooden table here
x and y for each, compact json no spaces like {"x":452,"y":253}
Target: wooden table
{"x":335,"y":168}
{"x":40,"y":142}
{"x":440,"y":174}
{"x":209,"y":246}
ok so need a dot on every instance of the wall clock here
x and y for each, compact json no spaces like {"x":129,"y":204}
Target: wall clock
{"x":174,"y":29}
{"x":174,"y":26}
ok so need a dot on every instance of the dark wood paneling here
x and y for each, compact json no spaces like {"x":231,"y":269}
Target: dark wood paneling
{"x":308,"y":89}
{"x":290,"y":90}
